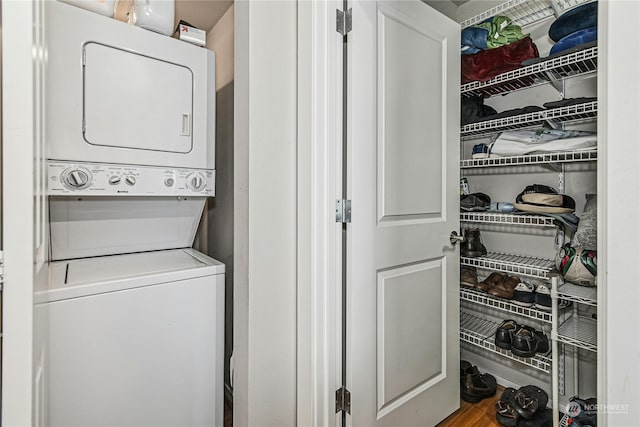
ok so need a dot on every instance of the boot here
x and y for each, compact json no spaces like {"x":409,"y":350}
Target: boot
{"x":472,"y":245}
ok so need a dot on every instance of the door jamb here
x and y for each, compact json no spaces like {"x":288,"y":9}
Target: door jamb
{"x":319,"y":182}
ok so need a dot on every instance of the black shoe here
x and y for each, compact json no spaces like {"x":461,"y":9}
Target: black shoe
{"x":529,"y":400}
{"x":526,"y":342}
{"x":506,"y":413}
{"x":474,"y":202}
{"x":504,"y":334}
{"x":475,"y":386}
{"x":472,"y":245}
{"x":523,"y":294}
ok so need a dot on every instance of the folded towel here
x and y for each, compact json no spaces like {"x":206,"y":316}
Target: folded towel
{"x":575,"y":39}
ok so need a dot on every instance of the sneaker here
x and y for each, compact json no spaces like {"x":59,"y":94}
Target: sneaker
{"x":523,"y":294}
{"x":474,"y":202}
{"x":480,"y":151}
{"x":542,"y":298}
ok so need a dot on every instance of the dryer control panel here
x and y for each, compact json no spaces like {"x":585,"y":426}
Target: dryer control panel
{"x":103,"y":179}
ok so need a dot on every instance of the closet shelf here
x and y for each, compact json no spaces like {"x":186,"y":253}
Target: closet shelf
{"x":510,"y":263}
{"x":572,"y":65}
{"x":578,"y":294}
{"x":507,"y":219}
{"x":584,"y":111}
{"x":579,"y":332}
{"x":484,"y":299}
{"x":525,"y":12}
{"x":480,"y":333}
{"x":532,"y":159}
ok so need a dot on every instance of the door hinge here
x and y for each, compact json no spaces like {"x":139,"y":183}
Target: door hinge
{"x":343,"y":400}
{"x":343,"y":211}
{"x":1,"y":269}
{"x":343,"y":21}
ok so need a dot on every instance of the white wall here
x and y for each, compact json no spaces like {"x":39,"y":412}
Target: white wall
{"x":265,"y":213}
{"x":219,"y":213}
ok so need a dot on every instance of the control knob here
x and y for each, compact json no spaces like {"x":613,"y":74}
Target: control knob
{"x":195,"y":181}
{"x":130,"y":180}
{"x":77,"y":178}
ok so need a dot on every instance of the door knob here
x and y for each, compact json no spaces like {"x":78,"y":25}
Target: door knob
{"x":454,"y":238}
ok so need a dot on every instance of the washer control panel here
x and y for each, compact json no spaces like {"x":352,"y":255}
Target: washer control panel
{"x":101,"y":179}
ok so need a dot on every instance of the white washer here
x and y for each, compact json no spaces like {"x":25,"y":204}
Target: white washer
{"x":135,"y":340}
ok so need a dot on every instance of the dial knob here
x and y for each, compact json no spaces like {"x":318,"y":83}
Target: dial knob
{"x":195,"y":182}
{"x":115,"y":179}
{"x":169,"y":182}
{"x":130,"y":180}
{"x":77,"y":178}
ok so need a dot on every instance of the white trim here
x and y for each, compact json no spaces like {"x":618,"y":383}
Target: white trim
{"x":18,"y":135}
{"x":619,"y":225}
{"x":319,"y":174}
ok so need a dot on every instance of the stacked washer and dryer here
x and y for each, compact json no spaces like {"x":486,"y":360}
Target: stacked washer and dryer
{"x":135,"y":314}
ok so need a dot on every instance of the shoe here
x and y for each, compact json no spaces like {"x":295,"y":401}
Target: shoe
{"x":526,"y":342}
{"x":504,"y":334}
{"x":491,"y":281}
{"x":506,"y":413}
{"x":468,"y":276}
{"x":480,"y":151}
{"x":475,"y":386}
{"x":542,"y":298}
{"x":474,"y":202}
{"x":542,"y":418}
{"x":506,"y":288}
{"x":530,"y":399}
{"x":472,"y":245}
{"x":523,"y":294}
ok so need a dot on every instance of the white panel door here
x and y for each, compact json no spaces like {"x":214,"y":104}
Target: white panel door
{"x":403,"y":277}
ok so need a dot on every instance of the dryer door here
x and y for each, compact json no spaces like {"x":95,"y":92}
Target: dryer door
{"x":135,"y":101}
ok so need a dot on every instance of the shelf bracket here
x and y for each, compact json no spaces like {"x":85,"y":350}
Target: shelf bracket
{"x":561,"y":179}
{"x":556,"y":10}
{"x":557,"y":84}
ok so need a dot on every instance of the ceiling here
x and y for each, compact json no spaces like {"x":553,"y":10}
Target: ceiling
{"x":201,"y":14}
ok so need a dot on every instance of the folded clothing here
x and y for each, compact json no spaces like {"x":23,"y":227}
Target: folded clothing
{"x":513,"y":112}
{"x":501,"y":31}
{"x":576,"y":19}
{"x":531,"y":141}
{"x":472,"y":109}
{"x":489,"y":63}
{"x":473,"y":40}
{"x":578,"y":38}
{"x":568,"y":101}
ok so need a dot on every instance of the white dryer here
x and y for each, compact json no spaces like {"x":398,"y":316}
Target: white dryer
{"x":135,"y":340}
{"x":116,"y":93}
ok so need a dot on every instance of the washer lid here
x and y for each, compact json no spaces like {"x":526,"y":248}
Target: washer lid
{"x":92,"y":276}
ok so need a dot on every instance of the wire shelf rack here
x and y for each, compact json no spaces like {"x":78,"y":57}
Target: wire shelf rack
{"x":480,"y":332}
{"x":574,"y":64}
{"x":510,"y":263}
{"x":484,"y":299}
{"x":532,"y":159}
{"x":564,"y":422}
{"x":584,"y":111}
{"x":525,"y":12}
{"x":579,"y":332}
{"x":507,"y":219}
{"x":579,"y":294}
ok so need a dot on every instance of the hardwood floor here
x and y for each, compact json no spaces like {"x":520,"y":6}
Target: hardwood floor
{"x":481,"y":414}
